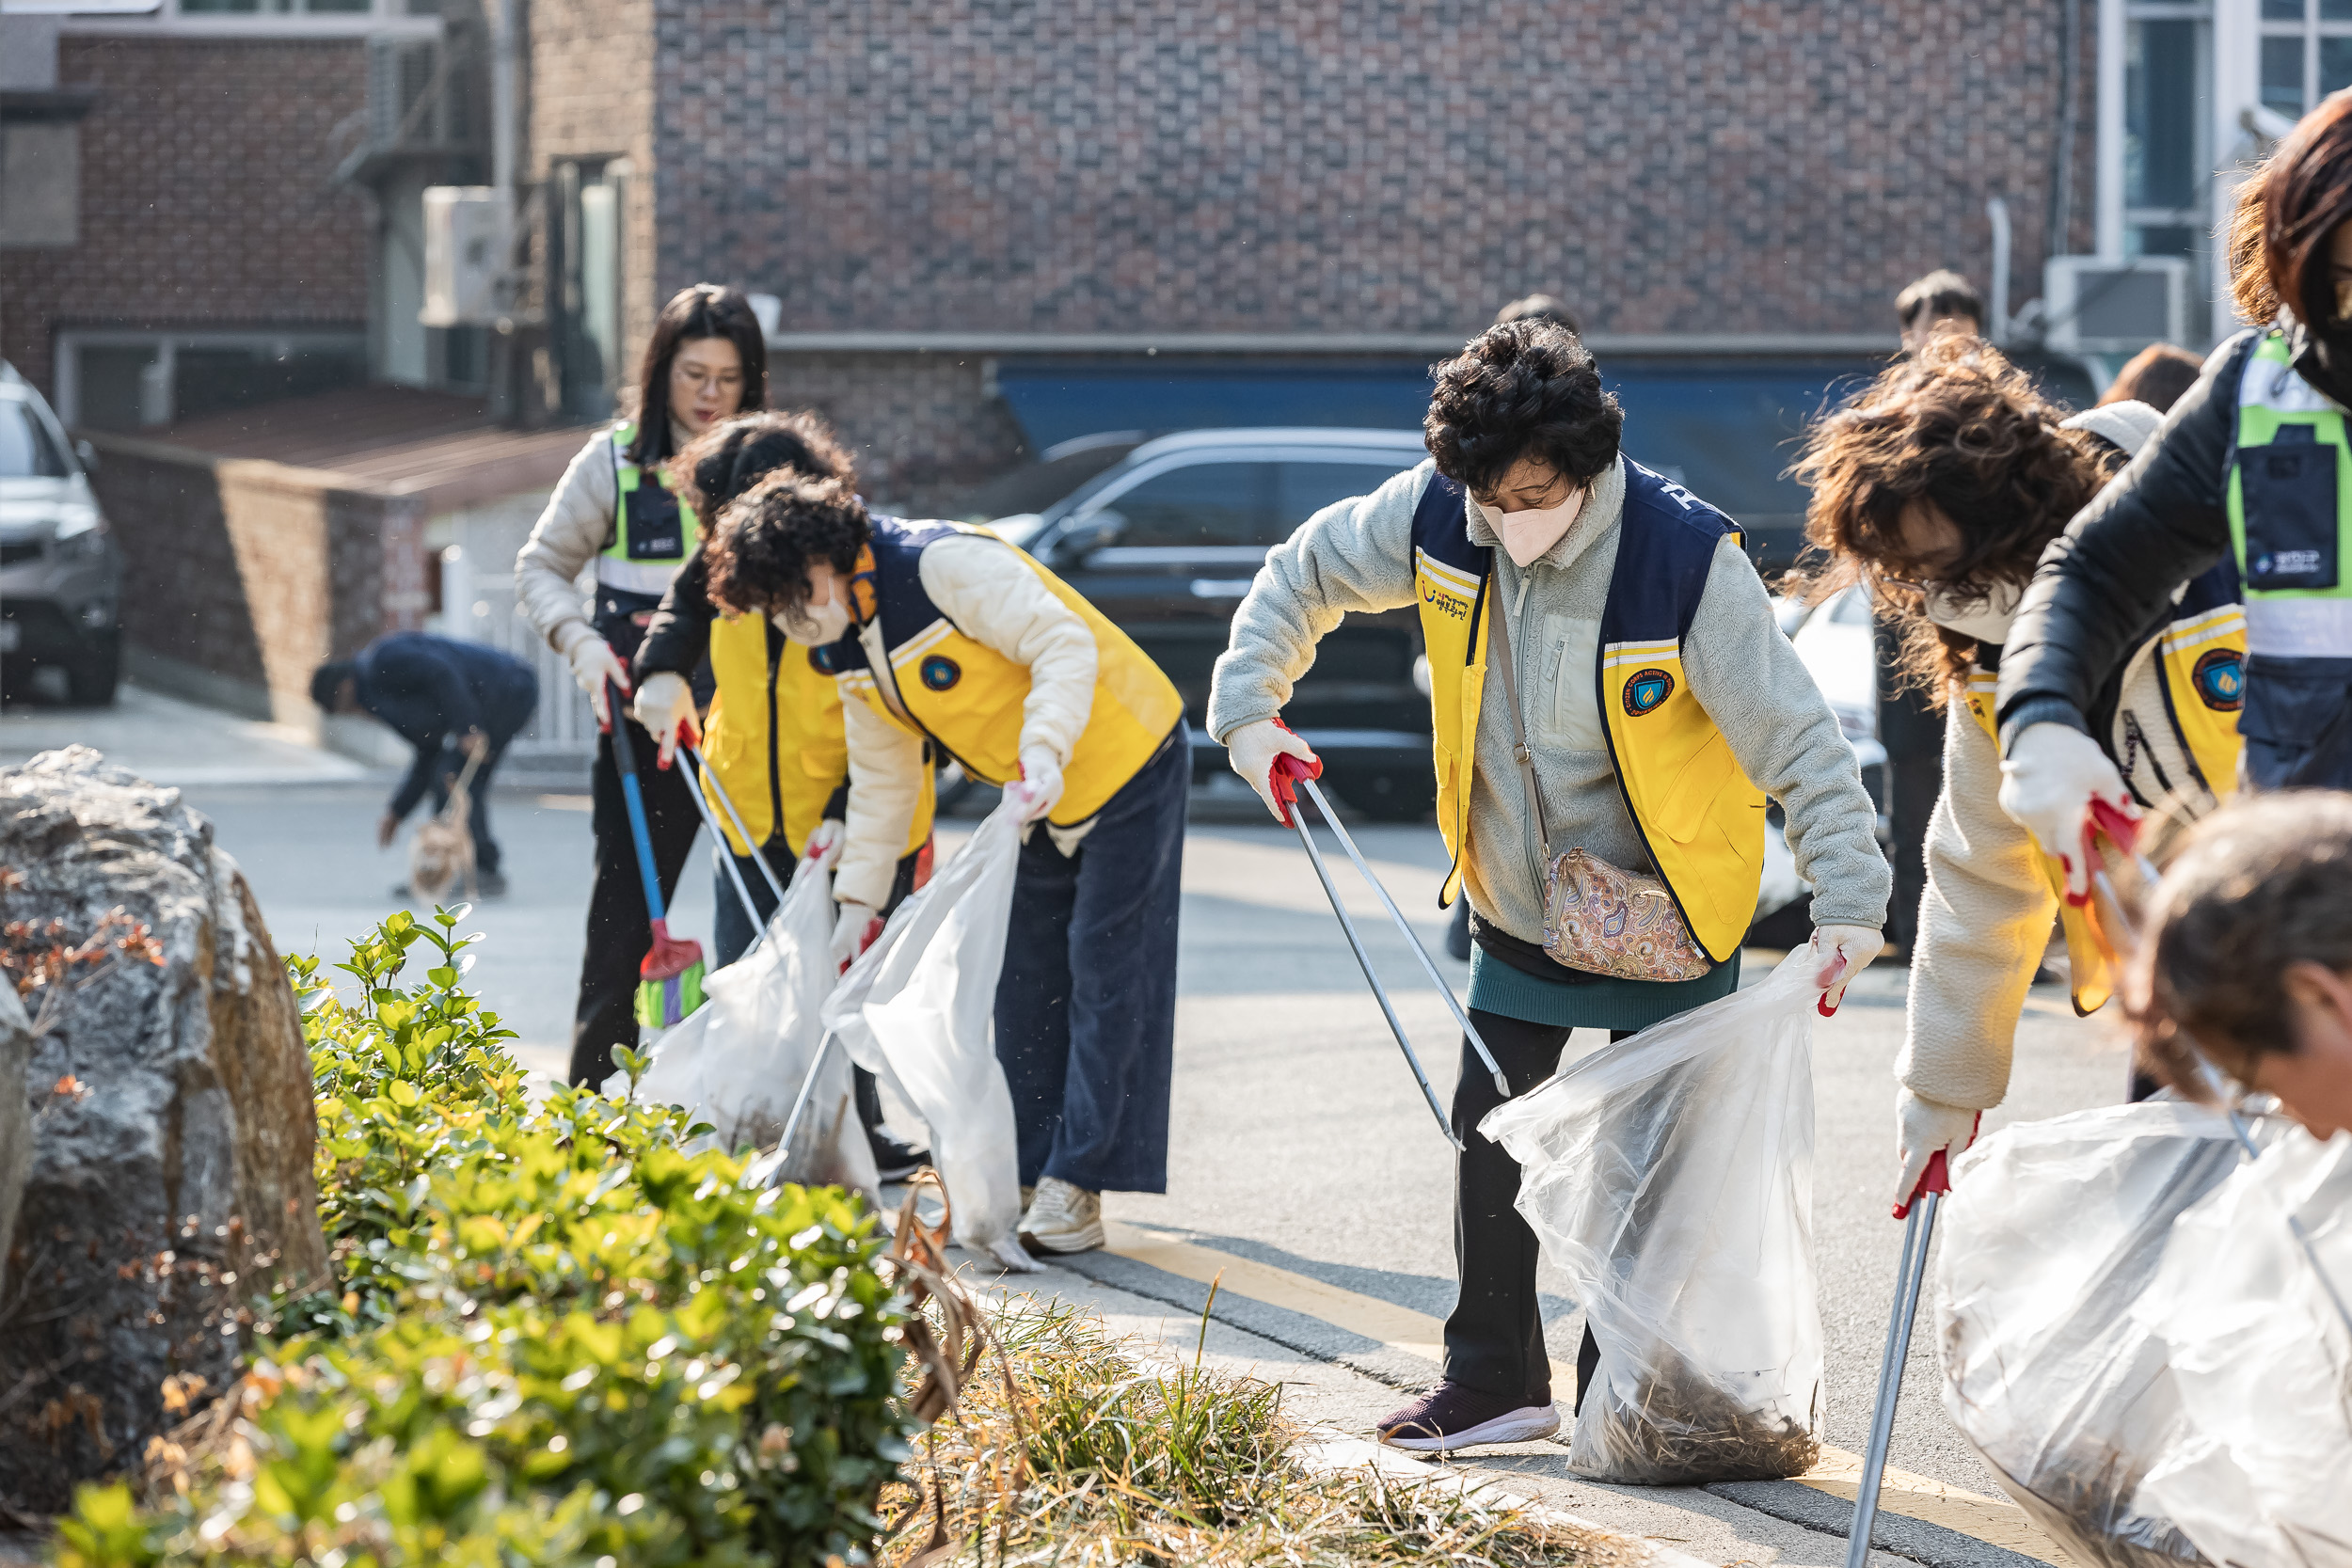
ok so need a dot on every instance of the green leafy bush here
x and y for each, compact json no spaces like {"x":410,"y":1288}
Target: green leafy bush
{"x":556,"y":1336}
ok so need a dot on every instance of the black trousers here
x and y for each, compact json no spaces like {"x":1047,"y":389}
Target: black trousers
{"x":619,"y":928}
{"x":1494,"y":1339}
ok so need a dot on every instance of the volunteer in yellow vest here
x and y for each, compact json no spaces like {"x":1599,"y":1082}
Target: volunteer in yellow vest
{"x":949,"y":641}
{"x":706,"y":360}
{"x":1938,"y":488}
{"x":775,"y":739}
{"x":1659,"y":703}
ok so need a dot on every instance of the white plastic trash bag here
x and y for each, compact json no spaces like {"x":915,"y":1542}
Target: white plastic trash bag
{"x":2256,"y":1339}
{"x":737,"y":1062}
{"x":1670,"y":1177}
{"x":2053,"y":1231}
{"x":916,"y":1010}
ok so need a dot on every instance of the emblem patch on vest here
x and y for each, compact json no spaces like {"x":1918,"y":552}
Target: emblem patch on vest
{"x":2221,"y":680}
{"x":940,"y":672}
{"x":1646,"y":690}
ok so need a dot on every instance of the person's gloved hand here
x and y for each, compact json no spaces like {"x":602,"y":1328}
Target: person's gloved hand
{"x":1039,"y":784}
{"x":1845,"y":951}
{"x":2048,"y":781}
{"x":1251,"y":750}
{"x":594,"y":662}
{"x":1922,"y":1126}
{"x":825,"y":841}
{"x":665,"y":705}
{"x":853,"y":931}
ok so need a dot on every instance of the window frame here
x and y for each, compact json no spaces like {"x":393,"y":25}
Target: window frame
{"x":167,"y":344}
{"x":2310,"y":31}
{"x":380,"y":17}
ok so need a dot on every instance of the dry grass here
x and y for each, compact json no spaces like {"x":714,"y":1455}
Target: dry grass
{"x":1097,"y":1457}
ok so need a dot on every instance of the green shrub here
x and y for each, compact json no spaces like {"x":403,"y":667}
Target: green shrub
{"x":556,"y":1336}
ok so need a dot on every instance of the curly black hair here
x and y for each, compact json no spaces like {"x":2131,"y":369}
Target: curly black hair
{"x":735,"y":454}
{"x":1522,"y":388}
{"x":759,"y":555}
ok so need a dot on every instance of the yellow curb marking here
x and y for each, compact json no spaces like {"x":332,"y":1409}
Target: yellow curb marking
{"x":1993,"y":1520}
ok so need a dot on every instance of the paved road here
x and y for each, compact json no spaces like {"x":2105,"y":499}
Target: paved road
{"x":1299,"y":1138}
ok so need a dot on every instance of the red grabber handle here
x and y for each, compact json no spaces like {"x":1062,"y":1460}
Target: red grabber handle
{"x":1286,"y":768}
{"x":2122,"y":831}
{"x":1937,"y":1179}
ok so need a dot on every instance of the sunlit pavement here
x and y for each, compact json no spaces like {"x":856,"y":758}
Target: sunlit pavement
{"x":1299,"y":1139}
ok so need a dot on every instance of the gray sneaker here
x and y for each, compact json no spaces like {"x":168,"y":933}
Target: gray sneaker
{"x":1062,"y":1218}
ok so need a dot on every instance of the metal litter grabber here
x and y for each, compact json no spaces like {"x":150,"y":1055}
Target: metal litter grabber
{"x":1918,"y":1215}
{"x":1286,"y":772}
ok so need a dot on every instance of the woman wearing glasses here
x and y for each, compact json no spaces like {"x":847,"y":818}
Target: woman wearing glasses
{"x":1937,"y":490}
{"x":706,"y":362}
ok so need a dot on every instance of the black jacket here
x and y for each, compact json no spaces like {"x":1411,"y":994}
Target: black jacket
{"x":426,"y":689}
{"x":2106,"y":582}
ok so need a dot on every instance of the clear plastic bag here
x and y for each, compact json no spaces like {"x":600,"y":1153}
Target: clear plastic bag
{"x":2255,"y":1337}
{"x":2053,"y":1231}
{"x":738,"y":1061}
{"x":1670,"y":1177}
{"x":916,"y":1010}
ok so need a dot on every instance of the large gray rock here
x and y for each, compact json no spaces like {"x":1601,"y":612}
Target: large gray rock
{"x":171,"y":1128}
{"x":16,"y":1119}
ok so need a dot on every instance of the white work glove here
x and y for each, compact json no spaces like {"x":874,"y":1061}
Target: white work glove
{"x":1039,"y":784}
{"x":665,"y":705}
{"x":1251,"y":750}
{"x":593,"y":663}
{"x":1845,"y":952}
{"x":853,"y":930}
{"x":1922,"y":1126}
{"x":824,"y":842}
{"x":2048,"y":782}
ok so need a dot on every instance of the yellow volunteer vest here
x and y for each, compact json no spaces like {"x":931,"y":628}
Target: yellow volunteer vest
{"x":967,"y":697}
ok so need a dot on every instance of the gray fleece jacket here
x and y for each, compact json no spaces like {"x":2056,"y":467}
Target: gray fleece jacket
{"x":1357,"y":556}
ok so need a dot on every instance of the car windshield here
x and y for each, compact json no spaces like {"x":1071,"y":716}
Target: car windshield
{"x":27,"y":451}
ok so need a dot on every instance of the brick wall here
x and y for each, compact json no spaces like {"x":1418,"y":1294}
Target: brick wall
{"x":1686,"y":165}
{"x":921,"y":426}
{"x":241,"y":576}
{"x":207,"y":196}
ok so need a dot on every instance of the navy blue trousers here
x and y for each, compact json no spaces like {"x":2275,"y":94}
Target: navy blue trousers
{"x":1086,"y":1009}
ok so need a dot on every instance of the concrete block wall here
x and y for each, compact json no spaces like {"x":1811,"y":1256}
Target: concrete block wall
{"x":207,"y":194}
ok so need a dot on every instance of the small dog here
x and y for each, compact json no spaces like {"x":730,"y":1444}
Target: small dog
{"x":441,"y":851}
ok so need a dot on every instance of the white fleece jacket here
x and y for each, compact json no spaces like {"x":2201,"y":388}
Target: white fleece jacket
{"x":990,"y":594}
{"x":1357,"y":556}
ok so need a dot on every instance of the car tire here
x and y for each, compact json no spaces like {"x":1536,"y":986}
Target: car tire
{"x":93,"y":676}
{"x":1400,"y":793}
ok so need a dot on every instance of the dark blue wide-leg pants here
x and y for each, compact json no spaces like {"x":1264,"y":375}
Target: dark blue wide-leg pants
{"x":1086,"y":1009}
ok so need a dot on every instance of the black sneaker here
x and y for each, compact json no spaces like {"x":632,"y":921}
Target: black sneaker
{"x":1450,"y":1416}
{"x":893,"y":1160}
{"x":491,"y":884}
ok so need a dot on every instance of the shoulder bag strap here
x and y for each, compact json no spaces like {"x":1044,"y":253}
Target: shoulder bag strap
{"x":1499,"y":646}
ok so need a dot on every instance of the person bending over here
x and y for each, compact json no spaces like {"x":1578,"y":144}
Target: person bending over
{"x":1606,"y":679}
{"x":945,"y":637}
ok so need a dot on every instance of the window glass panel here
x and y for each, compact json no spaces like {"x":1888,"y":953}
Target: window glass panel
{"x":2335,"y":65}
{"x":2283,"y":76}
{"x":112,"y":387}
{"x":2335,"y":10}
{"x":201,"y":7}
{"x":215,"y":378}
{"x":2161,"y":239}
{"x":1208,"y":503}
{"x":26,"y":450}
{"x":2282,"y":10}
{"x":2160,"y":129}
{"x":339,"y":5}
{"x":1306,"y":488}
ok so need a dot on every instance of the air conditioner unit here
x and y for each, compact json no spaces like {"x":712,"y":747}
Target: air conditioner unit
{"x":2105,"y":305}
{"x":465,"y":255}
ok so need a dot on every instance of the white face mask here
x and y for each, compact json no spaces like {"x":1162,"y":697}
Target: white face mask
{"x":1982,"y":619}
{"x":818,"y":625}
{"x":1527,"y":534}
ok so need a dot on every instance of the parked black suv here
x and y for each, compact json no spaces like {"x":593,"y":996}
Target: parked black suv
{"x":1165,"y":541}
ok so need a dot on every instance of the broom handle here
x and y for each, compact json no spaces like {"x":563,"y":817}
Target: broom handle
{"x":703,"y":768}
{"x":625,"y":762}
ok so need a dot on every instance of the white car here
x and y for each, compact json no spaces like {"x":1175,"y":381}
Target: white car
{"x":1833,"y":639}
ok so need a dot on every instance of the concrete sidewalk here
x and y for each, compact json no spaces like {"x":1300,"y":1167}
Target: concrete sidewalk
{"x":175,"y":742}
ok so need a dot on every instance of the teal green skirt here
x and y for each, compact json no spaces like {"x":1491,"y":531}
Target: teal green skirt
{"x":1603,"y":1003}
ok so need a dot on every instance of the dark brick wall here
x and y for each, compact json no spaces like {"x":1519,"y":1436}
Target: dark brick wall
{"x":921,"y":425}
{"x":1686,"y":165}
{"x":207,"y":194}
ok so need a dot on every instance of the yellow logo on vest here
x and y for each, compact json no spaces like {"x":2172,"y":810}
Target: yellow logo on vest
{"x":1647,"y":691}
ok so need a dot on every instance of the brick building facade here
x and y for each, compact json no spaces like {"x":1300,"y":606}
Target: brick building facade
{"x":925,"y":192}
